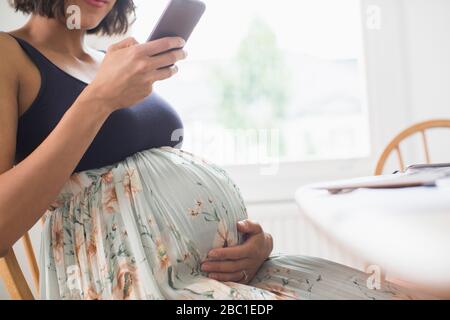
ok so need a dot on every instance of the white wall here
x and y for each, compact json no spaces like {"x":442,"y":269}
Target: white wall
{"x":408,"y":76}
{"x":408,"y":69}
{"x":428,"y":55}
{"x":8,"y":19}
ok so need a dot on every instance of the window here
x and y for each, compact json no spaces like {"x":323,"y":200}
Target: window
{"x":270,"y":79}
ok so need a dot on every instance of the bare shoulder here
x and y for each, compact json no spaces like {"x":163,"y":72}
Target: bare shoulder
{"x":12,"y":56}
{"x":10,"y":59}
{"x":10,"y":70}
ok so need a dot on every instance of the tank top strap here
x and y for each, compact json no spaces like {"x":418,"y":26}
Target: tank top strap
{"x":41,"y":62}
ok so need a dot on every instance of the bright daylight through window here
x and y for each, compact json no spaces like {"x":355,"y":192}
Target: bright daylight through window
{"x":270,"y":79}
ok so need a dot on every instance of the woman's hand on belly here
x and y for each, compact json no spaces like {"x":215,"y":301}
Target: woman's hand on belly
{"x":240,"y":263}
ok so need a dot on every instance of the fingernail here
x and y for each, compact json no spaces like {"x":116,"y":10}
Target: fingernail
{"x":205,"y":267}
{"x":212,"y":254}
{"x":242,"y":223}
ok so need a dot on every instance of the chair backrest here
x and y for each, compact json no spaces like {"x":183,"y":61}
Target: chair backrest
{"x":394,"y":146}
{"x":12,"y":275}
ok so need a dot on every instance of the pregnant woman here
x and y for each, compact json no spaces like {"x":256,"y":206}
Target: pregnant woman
{"x":127,"y":215}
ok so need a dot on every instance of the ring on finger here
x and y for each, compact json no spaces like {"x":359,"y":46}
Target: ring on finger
{"x":244,"y":276}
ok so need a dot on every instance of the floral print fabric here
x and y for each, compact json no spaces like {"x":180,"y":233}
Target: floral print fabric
{"x":140,"y":230}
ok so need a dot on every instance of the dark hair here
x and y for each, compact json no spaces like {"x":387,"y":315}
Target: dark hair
{"x":116,"y":22}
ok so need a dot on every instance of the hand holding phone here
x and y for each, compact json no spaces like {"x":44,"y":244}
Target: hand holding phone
{"x":178,"y":19}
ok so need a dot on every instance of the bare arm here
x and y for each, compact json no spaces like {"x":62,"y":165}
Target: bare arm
{"x":27,"y":190}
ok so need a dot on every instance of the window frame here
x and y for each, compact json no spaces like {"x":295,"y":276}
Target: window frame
{"x":378,"y":94}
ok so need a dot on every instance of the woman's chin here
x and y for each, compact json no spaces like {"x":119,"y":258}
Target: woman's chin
{"x":86,"y":26}
{"x":90,"y":21}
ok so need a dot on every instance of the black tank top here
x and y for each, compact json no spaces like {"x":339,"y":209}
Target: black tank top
{"x":146,"y":125}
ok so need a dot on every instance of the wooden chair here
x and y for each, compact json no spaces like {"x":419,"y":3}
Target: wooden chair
{"x":394,"y":146}
{"x":12,"y":275}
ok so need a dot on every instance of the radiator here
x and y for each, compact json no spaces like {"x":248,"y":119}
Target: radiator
{"x":294,"y":234}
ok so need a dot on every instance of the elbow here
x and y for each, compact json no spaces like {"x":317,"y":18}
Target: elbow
{"x":3,"y":253}
{"x":4,"y":248}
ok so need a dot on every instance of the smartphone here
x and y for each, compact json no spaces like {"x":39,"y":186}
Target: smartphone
{"x":179,"y":19}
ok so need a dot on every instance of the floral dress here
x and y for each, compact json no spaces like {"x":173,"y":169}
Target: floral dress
{"x":140,"y":230}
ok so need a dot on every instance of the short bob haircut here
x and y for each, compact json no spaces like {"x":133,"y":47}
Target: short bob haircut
{"x":115,"y":23}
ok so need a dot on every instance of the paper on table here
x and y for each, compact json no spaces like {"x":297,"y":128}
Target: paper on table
{"x":437,"y":167}
{"x":401,"y":180}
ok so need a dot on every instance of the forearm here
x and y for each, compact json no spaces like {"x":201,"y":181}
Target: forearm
{"x":27,"y":190}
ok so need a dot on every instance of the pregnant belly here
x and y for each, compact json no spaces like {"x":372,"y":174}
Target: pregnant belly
{"x":193,"y":204}
{"x":161,"y":210}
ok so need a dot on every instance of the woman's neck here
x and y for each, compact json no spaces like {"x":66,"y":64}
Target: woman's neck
{"x":54,"y":34}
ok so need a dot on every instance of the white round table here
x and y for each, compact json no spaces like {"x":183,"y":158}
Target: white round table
{"x":406,"y":232}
